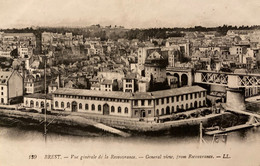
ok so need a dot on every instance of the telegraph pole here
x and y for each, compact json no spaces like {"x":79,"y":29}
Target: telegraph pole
{"x":201,"y":133}
{"x":45,"y":105}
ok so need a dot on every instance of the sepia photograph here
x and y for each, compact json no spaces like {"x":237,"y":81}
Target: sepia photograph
{"x":129,"y":82}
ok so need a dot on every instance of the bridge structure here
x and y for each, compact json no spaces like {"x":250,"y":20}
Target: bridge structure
{"x":234,"y":83}
{"x":184,"y":76}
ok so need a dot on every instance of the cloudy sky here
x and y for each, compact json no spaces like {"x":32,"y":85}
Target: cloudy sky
{"x":128,"y":13}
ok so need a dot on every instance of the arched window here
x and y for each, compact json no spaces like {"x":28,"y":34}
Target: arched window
{"x":37,"y":104}
{"x":112,"y":109}
{"x":86,"y":106}
{"x":80,"y":106}
{"x":199,"y":103}
{"x":42,"y":104}
{"x":157,"y":112}
{"x":195,"y":104}
{"x":93,"y":107}
{"x":99,"y":107}
{"x":191,"y":105}
{"x":187,"y":106}
{"x":204,"y":102}
{"x":167,"y":110}
{"x":68,"y":105}
{"x":56,"y":104}
{"x":182,"y":106}
{"x":47,"y":104}
{"x":177,"y":108}
{"x":62,"y":104}
{"x":31,"y":103}
{"x":162,"y":111}
{"x":126,"y":110}
{"x":119,"y":109}
{"x":172,"y":109}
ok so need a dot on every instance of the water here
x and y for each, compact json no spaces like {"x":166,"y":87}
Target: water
{"x":18,"y":142}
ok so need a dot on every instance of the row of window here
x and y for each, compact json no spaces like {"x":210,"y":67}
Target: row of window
{"x":93,"y":107}
{"x":169,"y":111}
{"x":128,"y":80}
{"x":149,"y":102}
{"x":180,"y":98}
{"x":137,"y":112}
{"x":37,"y":104}
{"x":128,"y":85}
{"x":92,"y":98}
{"x":167,"y":100}
{"x":181,"y":107}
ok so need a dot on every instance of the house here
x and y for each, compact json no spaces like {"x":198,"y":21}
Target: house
{"x":11,"y":86}
{"x":27,"y":39}
{"x":52,"y":87}
{"x":95,"y":86}
{"x":33,"y":83}
{"x":155,"y":66}
{"x":37,"y":101}
{"x":129,"y":83}
{"x":106,"y":85}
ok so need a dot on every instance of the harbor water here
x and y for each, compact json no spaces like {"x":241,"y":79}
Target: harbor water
{"x":19,"y":142}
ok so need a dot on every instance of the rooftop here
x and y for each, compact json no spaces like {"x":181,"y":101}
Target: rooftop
{"x":39,"y":96}
{"x":128,"y":95}
{"x":19,"y":34}
{"x":110,"y":82}
{"x":4,"y":76}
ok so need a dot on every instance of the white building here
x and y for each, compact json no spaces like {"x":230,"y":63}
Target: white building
{"x":155,"y":66}
{"x":24,"y":52}
{"x":127,"y":104}
{"x":11,"y":86}
{"x":106,"y":85}
{"x":143,"y":52}
{"x":33,"y":83}
{"x":129,"y":83}
{"x":37,"y":101}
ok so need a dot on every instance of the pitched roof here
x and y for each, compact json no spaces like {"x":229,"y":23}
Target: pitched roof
{"x":107,"y":82}
{"x":93,"y":93}
{"x":4,"y":76}
{"x":128,"y":95}
{"x":130,"y":76}
{"x":97,"y":85}
{"x":39,"y":96}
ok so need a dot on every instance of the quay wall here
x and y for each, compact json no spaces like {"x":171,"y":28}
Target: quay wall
{"x":116,"y":122}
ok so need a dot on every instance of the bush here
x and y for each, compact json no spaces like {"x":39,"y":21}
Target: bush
{"x":194,"y":115}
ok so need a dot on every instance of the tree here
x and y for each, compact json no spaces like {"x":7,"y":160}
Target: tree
{"x":115,"y":85}
{"x":14,"y":53}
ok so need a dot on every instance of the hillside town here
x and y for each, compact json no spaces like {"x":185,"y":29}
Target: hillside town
{"x":122,"y":77}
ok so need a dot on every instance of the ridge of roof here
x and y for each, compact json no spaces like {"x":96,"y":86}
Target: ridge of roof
{"x":129,"y":95}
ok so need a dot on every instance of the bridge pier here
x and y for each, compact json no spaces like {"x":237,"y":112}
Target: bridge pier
{"x":235,"y":99}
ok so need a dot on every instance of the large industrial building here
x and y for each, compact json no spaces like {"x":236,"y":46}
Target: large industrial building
{"x":127,"y":104}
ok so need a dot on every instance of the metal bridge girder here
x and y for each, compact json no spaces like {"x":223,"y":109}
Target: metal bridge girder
{"x":215,"y":78}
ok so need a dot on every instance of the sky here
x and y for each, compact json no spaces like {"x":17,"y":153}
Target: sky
{"x":129,"y":13}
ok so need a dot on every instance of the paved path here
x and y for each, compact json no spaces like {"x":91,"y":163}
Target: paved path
{"x":246,"y":113}
{"x":230,"y":129}
{"x":98,"y":125}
